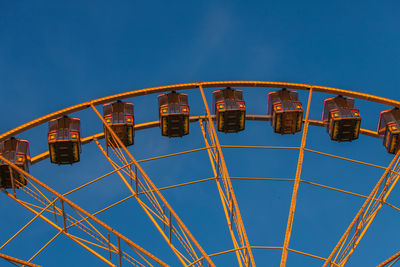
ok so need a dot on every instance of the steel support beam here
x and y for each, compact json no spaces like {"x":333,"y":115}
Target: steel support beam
{"x":26,"y":225}
{"x":18,"y":261}
{"x":229,"y":195}
{"x":78,"y":208}
{"x":153,"y":187}
{"x":60,"y":229}
{"x":145,"y":208}
{"x":296,"y":184}
{"x":365,"y":215}
{"x":391,"y":260}
{"x":227,"y":210}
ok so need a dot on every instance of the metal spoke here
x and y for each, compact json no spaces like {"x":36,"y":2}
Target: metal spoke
{"x":161,"y":213}
{"x":15,"y":260}
{"x":365,"y":215}
{"x":229,"y":195}
{"x":60,"y":229}
{"x":42,"y":248}
{"x":266,"y":248}
{"x":223,"y":198}
{"x":155,"y":197}
{"x":76,"y":207}
{"x":392,"y":260}
{"x":60,"y":212}
{"x":148,"y":210}
{"x":26,"y":225}
{"x":66,"y":217}
{"x":296,"y":183}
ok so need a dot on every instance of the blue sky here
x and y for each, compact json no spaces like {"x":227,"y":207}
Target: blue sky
{"x":55,"y":55}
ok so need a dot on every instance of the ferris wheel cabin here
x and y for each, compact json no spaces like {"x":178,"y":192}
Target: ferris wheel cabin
{"x":342,"y":118}
{"x":64,"y":140}
{"x":16,"y":151}
{"x":174,"y":114}
{"x":389,"y":129}
{"x":119,"y":116}
{"x":230,"y":110}
{"x":286,"y":111}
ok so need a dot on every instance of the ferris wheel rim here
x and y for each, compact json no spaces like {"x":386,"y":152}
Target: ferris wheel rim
{"x":153,"y":124}
{"x":186,"y":86}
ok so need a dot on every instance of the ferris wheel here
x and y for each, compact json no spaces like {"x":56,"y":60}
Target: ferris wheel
{"x":156,"y":228}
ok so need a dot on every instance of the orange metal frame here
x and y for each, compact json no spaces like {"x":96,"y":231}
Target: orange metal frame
{"x":242,"y":248}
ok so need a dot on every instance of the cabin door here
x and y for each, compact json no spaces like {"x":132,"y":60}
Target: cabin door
{"x":289,"y":122}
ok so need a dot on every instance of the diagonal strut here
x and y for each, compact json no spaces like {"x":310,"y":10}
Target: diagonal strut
{"x":296,"y":184}
{"x":154,"y":194}
{"x":230,"y":194}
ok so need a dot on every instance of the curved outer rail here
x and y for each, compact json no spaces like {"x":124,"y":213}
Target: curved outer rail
{"x":185,"y":86}
{"x":153,"y":124}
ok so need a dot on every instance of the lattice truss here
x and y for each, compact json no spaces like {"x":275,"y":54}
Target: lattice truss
{"x":115,"y":249}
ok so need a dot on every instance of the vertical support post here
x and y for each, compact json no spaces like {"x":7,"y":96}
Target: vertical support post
{"x":54,"y":210}
{"x":231,"y":211}
{"x":296,"y":184}
{"x":119,"y":252}
{"x":63,"y":215}
{"x":163,"y":217}
{"x":217,"y":161}
{"x":109,"y":248}
{"x":130,"y":172}
{"x":136,"y":180}
{"x":170,"y":227}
